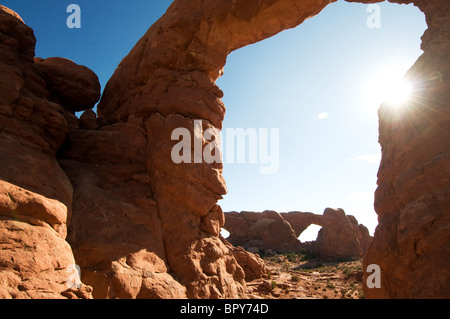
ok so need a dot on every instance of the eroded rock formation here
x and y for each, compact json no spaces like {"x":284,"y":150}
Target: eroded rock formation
{"x":264,"y":231}
{"x":172,"y":71}
{"x":412,"y":240}
{"x":143,"y":226}
{"x":341,"y":237}
{"x":338,"y":238}
{"x":72,"y":85}
{"x":35,"y":193}
{"x":335,"y":221}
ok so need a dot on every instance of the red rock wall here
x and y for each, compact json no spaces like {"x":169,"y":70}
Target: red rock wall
{"x":35,"y":193}
{"x":412,"y":241}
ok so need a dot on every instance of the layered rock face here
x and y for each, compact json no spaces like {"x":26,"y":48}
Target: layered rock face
{"x":35,"y":193}
{"x":341,"y":237}
{"x":145,"y":227}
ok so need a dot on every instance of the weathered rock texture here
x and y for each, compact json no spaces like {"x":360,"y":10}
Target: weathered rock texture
{"x":146,"y":227}
{"x":72,"y":85}
{"x":251,"y":263}
{"x":35,"y":193}
{"x":341,"y":237}
{"x":264,"y":231}
{"x":335,"y":227}
{"x":412,"y":240}
{"x":338,"y":238}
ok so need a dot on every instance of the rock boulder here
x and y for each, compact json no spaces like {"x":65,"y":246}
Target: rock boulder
{"x":73,"y":86}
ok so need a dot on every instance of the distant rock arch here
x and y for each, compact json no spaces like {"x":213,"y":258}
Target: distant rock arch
{"x":341,"y":237}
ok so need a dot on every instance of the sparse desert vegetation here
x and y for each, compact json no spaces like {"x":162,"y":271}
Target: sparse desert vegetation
{"x":304,"y":276}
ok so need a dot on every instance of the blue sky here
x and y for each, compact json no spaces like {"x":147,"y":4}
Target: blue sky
{"x":109,"y":29}
{"x":309,"y":82}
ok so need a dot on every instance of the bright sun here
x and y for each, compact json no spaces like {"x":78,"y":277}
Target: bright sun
{"x":389,"y":86}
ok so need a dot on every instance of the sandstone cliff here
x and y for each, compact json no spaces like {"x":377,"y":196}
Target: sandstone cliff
{"x":35,"y":193}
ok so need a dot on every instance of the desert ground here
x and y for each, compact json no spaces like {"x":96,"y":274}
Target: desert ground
{"x":303,"y":276}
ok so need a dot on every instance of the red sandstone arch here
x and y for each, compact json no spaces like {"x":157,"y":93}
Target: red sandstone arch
{"x":341,"y":236}
{"x":143,"y":227}
{"x":172,"y":70}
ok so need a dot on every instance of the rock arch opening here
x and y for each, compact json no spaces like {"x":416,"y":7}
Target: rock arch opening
{"x":224,"y":233}
{"x":310,"y":82}
{"x":169,"y":79}
{"x":310,"y":233}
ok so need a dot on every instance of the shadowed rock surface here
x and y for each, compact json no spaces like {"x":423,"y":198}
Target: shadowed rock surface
{"x":264,"y":231}
{"x":35,"y":193}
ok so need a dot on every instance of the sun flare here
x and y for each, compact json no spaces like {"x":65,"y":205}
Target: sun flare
{"x":396,"y":92}
{"x":389,"y":86}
